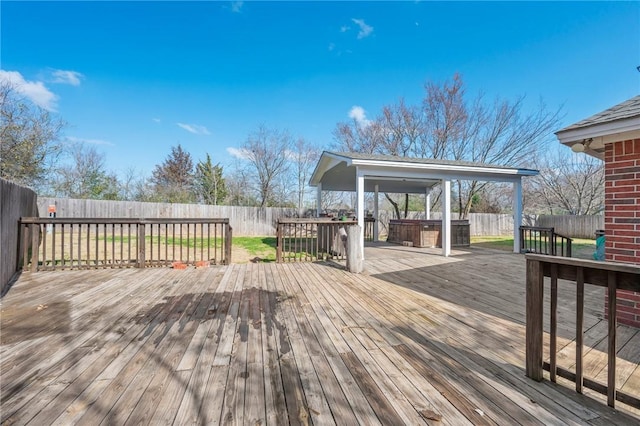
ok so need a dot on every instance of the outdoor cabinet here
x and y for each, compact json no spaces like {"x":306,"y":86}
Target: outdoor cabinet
{"x":427,"y":233}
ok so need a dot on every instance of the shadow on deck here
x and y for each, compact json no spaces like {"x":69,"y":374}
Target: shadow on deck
{"x":417,"y":339}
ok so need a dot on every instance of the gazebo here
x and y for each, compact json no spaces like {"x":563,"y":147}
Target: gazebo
{"x":373,"y":173}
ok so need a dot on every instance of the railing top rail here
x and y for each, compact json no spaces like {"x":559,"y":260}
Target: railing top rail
{"x":316,"y":220}
{"x":586,"y":263}
{"x":594,"y":272}
{"x":115,"y":221}
{"x":538,"y":228}
{"x":563,"y":236}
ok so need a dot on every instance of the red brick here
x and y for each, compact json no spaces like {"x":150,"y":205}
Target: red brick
{"x":628,"y":309}
{"x":625,"y":259}
{"x":620,"y":239}
{"x":629,"y":322}
{"x":618,"y":148}
{"x":620,"y":187}
{"x":626,"y":208}
{"x":628,"y":227}
{"x":618,"y":163}
{"x":628,"y":295}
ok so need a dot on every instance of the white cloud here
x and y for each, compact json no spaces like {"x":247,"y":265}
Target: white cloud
{"x":358,"y":113}
{"x":157,"y":120}
{"x":365,"y":30}
{"x":344,"y":28}
{"x":332,"y":46}
{"x":73,"y":139}
{"x":236,"y":6}
{"x":67,"y":77}
{"x":194,"y":128}
{"x":241,"y":153}
{"x":35,"y":91}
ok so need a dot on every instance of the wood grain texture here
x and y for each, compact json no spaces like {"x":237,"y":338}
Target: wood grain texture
{"x":416,"y":339}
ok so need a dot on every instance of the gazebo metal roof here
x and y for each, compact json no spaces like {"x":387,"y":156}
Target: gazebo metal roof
{"x":337,"y":171}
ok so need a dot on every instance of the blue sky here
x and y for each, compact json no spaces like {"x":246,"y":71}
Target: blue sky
{"x":138,"y":78}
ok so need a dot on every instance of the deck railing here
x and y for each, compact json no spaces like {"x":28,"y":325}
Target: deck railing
{"x":613,"y":276}
{"x":86,"y":243}
{"x":310,"y":240}
{"x":540,"y":240}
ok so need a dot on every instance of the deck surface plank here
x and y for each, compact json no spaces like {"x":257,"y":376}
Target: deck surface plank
{"x":416,"y":339}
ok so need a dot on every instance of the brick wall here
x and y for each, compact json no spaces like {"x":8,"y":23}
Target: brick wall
{"x":622,"y":217}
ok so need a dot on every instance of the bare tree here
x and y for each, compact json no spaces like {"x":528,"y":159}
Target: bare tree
{"x":448,"y":125}
{"x":568,"y":183}
{"x":85,"y":175}
{"x":267,"y":151}
{"x":29,"y":139}
{"x":304,"y":157}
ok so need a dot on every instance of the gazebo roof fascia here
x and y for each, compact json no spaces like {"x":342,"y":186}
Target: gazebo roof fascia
{"x":402,"y":174}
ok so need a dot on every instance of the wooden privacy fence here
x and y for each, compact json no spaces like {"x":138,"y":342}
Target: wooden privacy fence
{"x":579,"y":272}
{"x":309,"y":240}
{"x":84,"y":243}
{"x":535,"y":239}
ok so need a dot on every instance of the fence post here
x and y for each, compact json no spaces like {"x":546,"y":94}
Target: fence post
{"x":141,"y":244}
{"x":279,"y":242}
{"x":534,"y":313}
{"x":227,"y":244}
{"x":354,"y":251}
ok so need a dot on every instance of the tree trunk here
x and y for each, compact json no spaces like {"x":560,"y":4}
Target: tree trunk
{"x":396,"y":209}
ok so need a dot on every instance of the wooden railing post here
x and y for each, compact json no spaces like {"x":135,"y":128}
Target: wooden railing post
{"x":354,"y":251}
{"x":611,"y":346}
{"x":534,"y":312}
{"x":34,"y":230}
{"x":227,"y":244}
{"x":141,"y":244}
{"x":279,"y":242}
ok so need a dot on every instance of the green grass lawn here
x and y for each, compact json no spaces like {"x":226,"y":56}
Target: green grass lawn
{"x":581,"y":247}
{"x":262,"y":247}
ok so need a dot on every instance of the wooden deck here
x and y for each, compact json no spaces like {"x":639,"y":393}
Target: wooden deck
{"x":417,"y":339}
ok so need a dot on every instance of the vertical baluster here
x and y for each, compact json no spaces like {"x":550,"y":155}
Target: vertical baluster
{"x":166,"y":244}
{"x":80,"y":245}
{"x":71,"y":244}
{"x":121,"y":261}
{"x":553,"y":322}
{"x":215,"y":241}
{"x":44,"y":247}
{"x":611,"y":347}
{"x":173,"y":240}
{"x":129,"y":243}
{"x":579,"y":326}
{"x":181,"y":226}
{"x":97,"y":257}
{"x":104,"y":237}
{"x":62,"y":245}
{"x":151,"y":258}
{"x":53,"y":245}
{"x":209,"y":241}
{"x":113,"y":245}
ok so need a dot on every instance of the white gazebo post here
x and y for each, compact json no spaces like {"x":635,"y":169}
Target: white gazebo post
{"x":517,"y":214}
{"x":446,"y":217}
{"x":360,"y":207}
{"x":319,"y":199}
{"x":375,"y":213}
{"x":427,"y":204}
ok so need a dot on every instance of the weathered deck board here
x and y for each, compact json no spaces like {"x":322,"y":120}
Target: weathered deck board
{"x":417,"y":339}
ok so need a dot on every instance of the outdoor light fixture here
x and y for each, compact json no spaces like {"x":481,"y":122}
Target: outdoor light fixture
{"x":581,"y":146}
